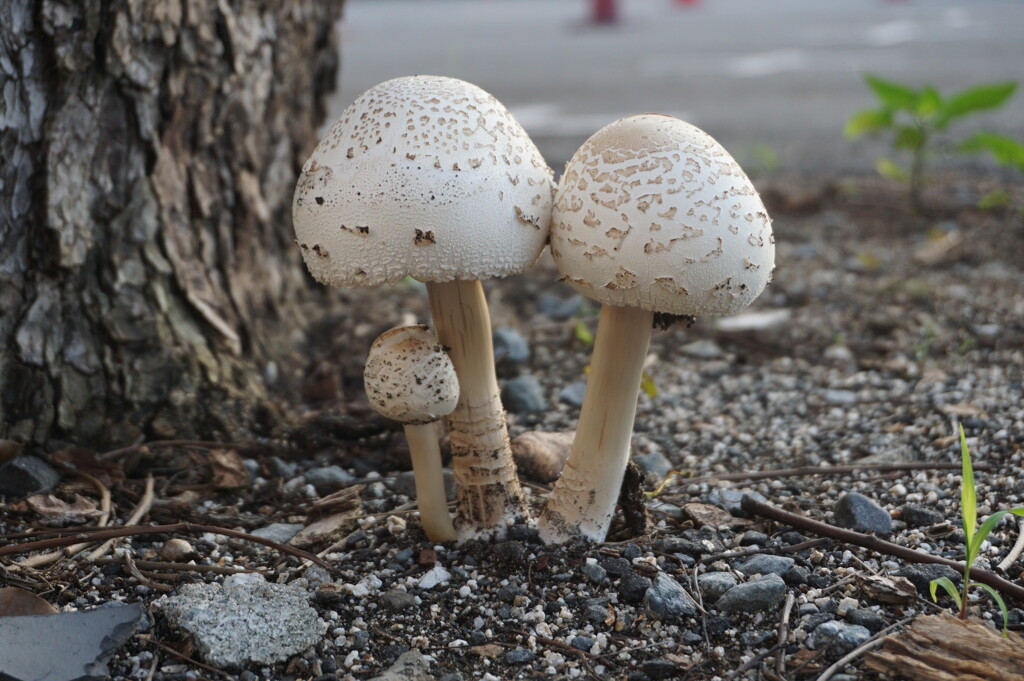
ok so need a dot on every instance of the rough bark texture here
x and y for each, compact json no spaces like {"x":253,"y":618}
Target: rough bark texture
{"x":944,"y":648}
{"x":150,"y":149}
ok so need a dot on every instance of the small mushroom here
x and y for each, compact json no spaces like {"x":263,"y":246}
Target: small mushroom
{"x":409,"y":379}
{"x":432,"y":178}
{"x":652,"y":215}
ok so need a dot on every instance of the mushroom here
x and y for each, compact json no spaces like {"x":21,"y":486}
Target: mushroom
{"x":433,"y":178}
{"x":409,"y":379}
{"x":651,"y":216}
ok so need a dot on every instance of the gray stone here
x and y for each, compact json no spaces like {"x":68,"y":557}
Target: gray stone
{"x":85,"y":640}
{"x":410,"y":666}
{"x":280,"y":468}
{"x":633,"y":587}
{"x":919,"y":516}
{"x":245,"y":622}
{"x":838,"y":638}
{"x":840,"y":397}
{"x":694,"y":543}
{"x":755,"y":596}
{"x":594,"y":572}
{"x":405,"y":483}
{"x":765,"y":564}
{"x":558,"y":308}
{"x":573,"y":393}
{"x":752,"y":537}
{"x":596,"y":613}
{"x":397,"y":600}
{"x":868,"y":619}
{"x":714,"y":584}
{"x":510,"y":346}
{"x":279,"y":532}
{"x":519,"y":656}
{"x":857,"y":512}
{"x":654,"y":466}
{"x":523,"y":394}
{"x":666,"y":599}
{"x":329,"y":479}
{"x":23,"y":476}
{"x":731,"y":499}
{"x":582,"y":643}
{"x":921,"y":575}
{"x":659,"y":668}
{"x":702,"y":349}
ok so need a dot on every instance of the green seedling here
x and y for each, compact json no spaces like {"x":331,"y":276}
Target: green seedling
{"x":1008,"y":153}
{"x":915,"y":117}
{"x":973,"y":538}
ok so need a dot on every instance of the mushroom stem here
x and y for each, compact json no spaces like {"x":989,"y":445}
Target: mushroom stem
{"x":488,"y":493}
{"x":582,"y":502}
{"x":430,"y":496}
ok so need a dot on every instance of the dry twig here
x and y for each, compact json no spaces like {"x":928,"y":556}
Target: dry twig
{"x":138,"y":513}
{"x":752,"y":505}
{"x":1015,"y":552}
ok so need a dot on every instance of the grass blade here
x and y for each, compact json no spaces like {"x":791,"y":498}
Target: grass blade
{"x":968,"y":500}
{"x":999,"y":601}
{"x":949,"y":588}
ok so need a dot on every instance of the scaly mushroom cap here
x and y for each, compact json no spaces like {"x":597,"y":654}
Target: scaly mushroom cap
{"x":409,"y":378}
{"x":427,"y":177}
{"x":653,"y":213}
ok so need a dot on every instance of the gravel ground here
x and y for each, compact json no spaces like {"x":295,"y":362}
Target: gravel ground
{"x":881,"y":331}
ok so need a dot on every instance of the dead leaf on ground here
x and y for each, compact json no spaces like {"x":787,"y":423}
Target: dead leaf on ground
{"x":58,"y":511}
{"x":228,"y":470}
{"x":9,"y":449}
{"x":110,"y":473}
{"x":889,"y":589}
{"x":15,"y":602}
{"x":962,"y":409}
{"x":346,"y":499}
{"x":325,"y":530}
{"x":706,"y":514}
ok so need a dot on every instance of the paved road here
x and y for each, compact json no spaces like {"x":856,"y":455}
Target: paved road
{"x":781,"y":73}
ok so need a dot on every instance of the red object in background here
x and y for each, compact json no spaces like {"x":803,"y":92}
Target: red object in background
{"x":603,"y":12}
{"x":687,"y":2}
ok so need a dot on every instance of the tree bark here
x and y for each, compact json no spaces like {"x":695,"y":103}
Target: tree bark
{"x":150,"y":150}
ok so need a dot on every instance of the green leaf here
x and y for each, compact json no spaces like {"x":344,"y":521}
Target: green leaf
{"x":1005,"y":150}
{"x":928,"y":102}
{"x":974,"y":545}
{"x":908,"y":137}
{"x":583,"y":333}
{"x":949,"y":588}
{"x":968,"y":500}
{"x":893,"y":95}
{"x":999,"y":601}
{"x":978,"y":98}
{"x":994,"y":200}
{"x":891,"y":170}
{"x":867,"y":121}
{"x":647,"y":385}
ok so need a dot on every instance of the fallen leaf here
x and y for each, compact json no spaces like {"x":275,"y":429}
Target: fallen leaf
{"x":15,"y":602}
{"x":962,"y":409}
{"x":706,"y":514}
{"x":110,"y":473}
{"x":325,"y":530}
{"x":346,"y":499}
{"x":888,"y":589}
{"x":228,"y":470}
{"x":56,"y":510}
{"x":9,"y":449}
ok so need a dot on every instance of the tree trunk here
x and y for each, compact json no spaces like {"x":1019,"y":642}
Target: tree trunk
{"x":150,"y":149}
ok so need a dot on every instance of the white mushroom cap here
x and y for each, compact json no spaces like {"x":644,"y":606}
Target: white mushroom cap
{"x":409,"y":378}
{"x":653,"y":213}
{"x":427,"y":177}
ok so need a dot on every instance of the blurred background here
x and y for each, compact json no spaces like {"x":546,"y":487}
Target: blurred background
{"x":773,"y":80}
